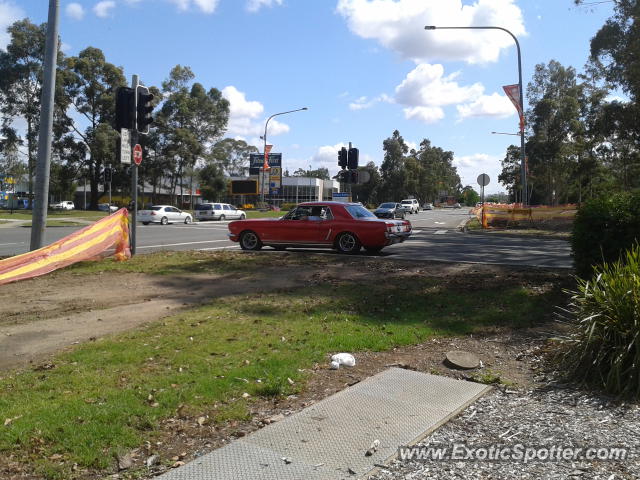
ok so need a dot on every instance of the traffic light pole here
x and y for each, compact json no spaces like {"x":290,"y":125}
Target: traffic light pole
{"x":134,"y":170}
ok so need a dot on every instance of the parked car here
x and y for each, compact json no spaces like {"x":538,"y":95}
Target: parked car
{"x":346,"y":227}
{"x":65,"y":205}
{"x":428,"y":206}
{"x":105,"y":207}
{"x":457,"y":205}
{"x":218,"y":211}
{"x":390,"y":210}
{"x":411,"y":205}
{"x":163,"y":214}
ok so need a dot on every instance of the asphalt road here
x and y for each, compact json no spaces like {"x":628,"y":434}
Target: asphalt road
{"x":435,"y":238}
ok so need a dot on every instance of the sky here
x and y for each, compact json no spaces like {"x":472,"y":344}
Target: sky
{"x":363,"y":68}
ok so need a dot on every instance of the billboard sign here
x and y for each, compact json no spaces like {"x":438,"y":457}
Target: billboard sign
{"x":256,"y":164}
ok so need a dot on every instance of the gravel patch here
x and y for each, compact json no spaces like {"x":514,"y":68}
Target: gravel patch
{"x":543,"y":417}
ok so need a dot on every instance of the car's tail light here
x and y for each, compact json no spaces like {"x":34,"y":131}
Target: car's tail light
{"x":153,"y":213}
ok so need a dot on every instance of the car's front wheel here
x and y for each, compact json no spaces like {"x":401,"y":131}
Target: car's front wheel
{"x":145,"y":223}
{"x":347,"y":242}
{"x":250,"y":241}
{"x":243,"y":216}
{"x":187,"y":220}
{"x":164,"y":221}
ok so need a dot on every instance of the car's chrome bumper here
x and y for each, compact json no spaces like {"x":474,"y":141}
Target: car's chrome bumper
{"x":233,"y":236}
{"x":396,"y":237}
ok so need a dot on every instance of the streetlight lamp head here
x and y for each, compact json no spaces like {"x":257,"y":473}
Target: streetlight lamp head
{"x":304,"y":108}
{"x":430,"y":27}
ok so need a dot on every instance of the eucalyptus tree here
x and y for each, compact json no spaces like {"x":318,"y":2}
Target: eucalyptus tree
{"x":21,"y":70}
{"x":233,"y":156}
{"x":90,"y":82}
{"x":555,"y":97}
{"x":437,"y":172}
{"x":368,"y":192}
{"x":392,"y":169}
{"x":510,"y":174}
{"x":191,"y":121}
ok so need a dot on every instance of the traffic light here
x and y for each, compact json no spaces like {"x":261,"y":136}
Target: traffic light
{"x":124,"y":108}
{"x":353,"y":176}
{"x":144,"y":109}
{"x":107,"y":174}
{"x":342,"y":157}
{"x":352,"y":161}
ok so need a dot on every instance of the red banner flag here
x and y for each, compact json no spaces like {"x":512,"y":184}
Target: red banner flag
{"x":267,"y":150}
{"x":513,"y":92}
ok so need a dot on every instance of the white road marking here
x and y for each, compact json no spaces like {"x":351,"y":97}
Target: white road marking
{"x":439,"y":223}
{"x":178,"y":244}
{"x":17,"y":243}
{"x":440,"y":232}
{"x":416,"y":231}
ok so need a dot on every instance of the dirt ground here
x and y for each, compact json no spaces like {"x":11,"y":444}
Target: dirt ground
{"x":42,"y":316}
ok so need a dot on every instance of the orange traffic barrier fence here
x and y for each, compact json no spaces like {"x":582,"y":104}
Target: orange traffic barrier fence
{"x":90,"y":243}
{"x":502,"y":215}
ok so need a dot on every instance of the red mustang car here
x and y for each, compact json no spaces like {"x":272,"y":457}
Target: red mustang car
{"x":344,"y":226}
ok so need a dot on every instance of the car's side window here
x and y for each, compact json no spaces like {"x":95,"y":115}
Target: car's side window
{"x":227,"y":207}
{"x":300,"y":213}
{"x":217,"y":206}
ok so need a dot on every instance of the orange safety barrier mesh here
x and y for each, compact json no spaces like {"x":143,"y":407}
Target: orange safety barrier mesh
{"x":502,"y":214}
{"x":90,"y":243}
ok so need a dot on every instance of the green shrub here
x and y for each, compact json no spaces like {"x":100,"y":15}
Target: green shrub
{"x":605,"y":349}
{"x":603,"y":229}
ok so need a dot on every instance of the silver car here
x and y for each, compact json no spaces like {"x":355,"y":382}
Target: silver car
{"x":163,"y":214}
{"x":218,"y":211}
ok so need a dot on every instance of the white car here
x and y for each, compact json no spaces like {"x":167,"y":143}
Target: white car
{"x":218,"y":211}
{"x":411,"y":205}
{"x":163,"y":214}
{"x":65,"y":205}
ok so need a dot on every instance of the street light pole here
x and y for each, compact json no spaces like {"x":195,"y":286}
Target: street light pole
{"x":523,"y":171}
{"x":265,"y":145}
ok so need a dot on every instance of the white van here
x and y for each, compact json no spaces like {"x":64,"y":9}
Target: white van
{"x":218,"y":211}
{"x":65,"y":205}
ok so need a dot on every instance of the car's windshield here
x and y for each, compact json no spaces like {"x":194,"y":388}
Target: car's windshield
{"x":358,"y":211}
{"x":387,"y":205}
{"x":204,"y":206}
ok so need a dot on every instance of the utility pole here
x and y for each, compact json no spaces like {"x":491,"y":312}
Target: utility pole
{"x":39,"y":212}
{"x":135,"y":81}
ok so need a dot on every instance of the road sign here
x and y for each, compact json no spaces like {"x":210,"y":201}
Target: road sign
{"x":125,"y":146}
{"x":483,"y":179}
{"x":137,"y":154}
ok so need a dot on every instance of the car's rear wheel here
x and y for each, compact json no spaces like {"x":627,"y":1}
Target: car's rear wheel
{"x":222,"y":217}
{"x":347,"y":242}
{"x":187,"y":220}
{"x":145,"y":223}
{"x":373,"y":250}
{"x":243,"y":216}
{"x":250,"y":241}
{"x":164,"y":221}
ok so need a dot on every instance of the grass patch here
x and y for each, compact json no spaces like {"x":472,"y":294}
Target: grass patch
{"x":268,"y":214}
{"x":110,"y":395}
{"x":58,"y":223}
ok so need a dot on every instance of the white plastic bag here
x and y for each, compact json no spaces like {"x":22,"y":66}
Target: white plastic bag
{"x":345,"y":359}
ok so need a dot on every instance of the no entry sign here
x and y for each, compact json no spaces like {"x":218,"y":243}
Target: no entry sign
{"x":137,"y":154}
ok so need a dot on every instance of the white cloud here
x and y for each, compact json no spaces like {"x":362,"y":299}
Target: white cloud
{"x":363,"y":103}
{"x":103,"y":9}
{"x":9,"y":13}
{"x":255,"y":5}
{"x":205,"y":6}
{"x":399,"y":25}
{"x":75,"y":11}
{"x":427,"y":86}
{"x":424,"y":114}
{"x":246,"y":117}
{"x":470,"y":166}
{"x":494,"y":105}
